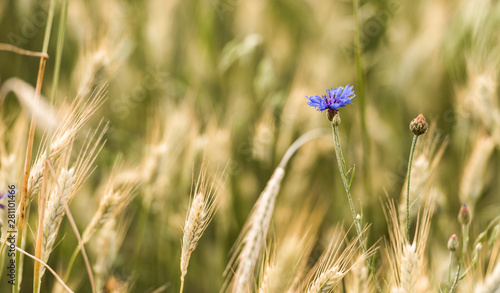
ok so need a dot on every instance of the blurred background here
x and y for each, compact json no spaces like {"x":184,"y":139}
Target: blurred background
{"x":225,"y":81}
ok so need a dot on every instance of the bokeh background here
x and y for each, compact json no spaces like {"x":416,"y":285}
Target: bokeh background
{"x":225,"y":81}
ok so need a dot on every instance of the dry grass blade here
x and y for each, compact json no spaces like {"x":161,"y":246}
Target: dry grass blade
{"x":20,"y":51}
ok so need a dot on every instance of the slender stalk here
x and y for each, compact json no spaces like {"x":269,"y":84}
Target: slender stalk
{"x":27,"y":161}
{"x":182,"y":285}
{"x":60,"y":44}
{"x":44,"y":264}
{"x":29,"y":147}
{"x":465,"y":237}
{"x":71,"y":262}
{"x":342,"y":169}
{"x":361,"y":94}
{"x":449,"y":270}
{"x":410,"y":162}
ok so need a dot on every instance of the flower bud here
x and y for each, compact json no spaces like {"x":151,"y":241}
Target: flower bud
{"x":453,"y":243}
{"x":464,"y":215}
{"x":333,"y":116}
{"x":336,"y":119}
{"x":418,"y":125}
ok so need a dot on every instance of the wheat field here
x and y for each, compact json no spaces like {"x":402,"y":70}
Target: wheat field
{"x":249,"y":146}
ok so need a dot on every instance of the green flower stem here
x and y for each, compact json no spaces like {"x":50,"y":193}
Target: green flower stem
{"x":449,"y":270}
{"x":343,"y":174}
{"x":410,"y":162}
{"x":465,"y":236}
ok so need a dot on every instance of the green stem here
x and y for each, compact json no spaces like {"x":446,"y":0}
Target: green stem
{"x":410,"y":162}
{"x":342,"y":169}
{"x":71,"y":262}
{"x":465,"y":236}
{"x":60,"y":44}
{"x":449,"y":270}
{"x":361,"y":95}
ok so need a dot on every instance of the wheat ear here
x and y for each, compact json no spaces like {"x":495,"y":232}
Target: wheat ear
{"x":54,"y":213}
{"x":405,"y":259}
{"x":409,"y":267}
{"x":327,"y":281}
{"x":252,"y":241}
{"x":333,"y":264}
{"x":359,"y":278}
{"x":283,"y":268}
{"x":70,"y":180}
{"x":80,"y":112}
{"x":108,"y":243}
{"x":201,"y":211}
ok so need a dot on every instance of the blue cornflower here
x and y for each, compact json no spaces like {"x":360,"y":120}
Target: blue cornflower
{"x":338,"y":97}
